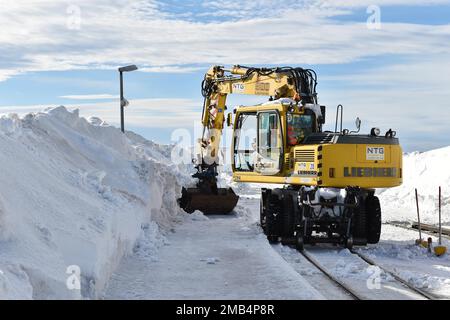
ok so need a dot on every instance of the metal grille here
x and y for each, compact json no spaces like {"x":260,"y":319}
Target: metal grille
{"x":287,"y":162}
{"x":305,"y":155}
{"x":319,"y":138}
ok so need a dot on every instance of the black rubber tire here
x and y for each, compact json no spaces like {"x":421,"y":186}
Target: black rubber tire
{"x":262,"y":215}
{"x":360,"y":225}
{"x":287,"y":217}
{"x":273,"y":209}
{"x":299,"y":242}
{"x":373,"y":210}
{"x":273,"y":239}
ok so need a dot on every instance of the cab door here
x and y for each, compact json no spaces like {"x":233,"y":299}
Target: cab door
{"x":270,"y":143}
{"x":244,"y":142}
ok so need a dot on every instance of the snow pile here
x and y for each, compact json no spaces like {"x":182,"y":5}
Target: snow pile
{"x":77,"y":194}
{"x":425,"y":171}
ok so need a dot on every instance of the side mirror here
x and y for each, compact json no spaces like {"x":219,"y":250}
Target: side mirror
{"x":229,"y":119}
{"x":358,"y":123}
{"x":323,"y":112}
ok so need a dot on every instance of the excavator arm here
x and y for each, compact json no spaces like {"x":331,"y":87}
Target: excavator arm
{"x":286,"y":82}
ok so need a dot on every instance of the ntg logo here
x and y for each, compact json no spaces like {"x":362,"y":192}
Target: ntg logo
{"x":373,"y":150}
{"x":375,"y":153}
{"x":238,"y":87}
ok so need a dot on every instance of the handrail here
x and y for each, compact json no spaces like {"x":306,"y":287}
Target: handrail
{"x":341,"y":109}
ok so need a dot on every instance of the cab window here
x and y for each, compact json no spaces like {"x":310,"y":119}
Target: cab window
{"x":299,"y":126}
{"x":245,"y":142}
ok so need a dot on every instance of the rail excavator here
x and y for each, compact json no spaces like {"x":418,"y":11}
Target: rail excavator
{"x":327,"y":178}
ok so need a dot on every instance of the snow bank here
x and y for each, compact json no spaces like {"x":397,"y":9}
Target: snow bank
{"x":77,"y":192}
{"x":425,"y":171}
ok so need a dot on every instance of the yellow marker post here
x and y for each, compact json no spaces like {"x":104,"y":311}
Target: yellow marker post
{"x":419,"y":241}
{"x":440,"y":249}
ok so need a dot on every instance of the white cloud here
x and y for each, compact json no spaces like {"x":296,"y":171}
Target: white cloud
{"x":91,"y":97}
{"x":411,"y":97}
{"x":112,"y":33}
{"x":171,"y":69}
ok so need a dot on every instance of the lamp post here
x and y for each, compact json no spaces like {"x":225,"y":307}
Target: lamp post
{"x":124,"y":102}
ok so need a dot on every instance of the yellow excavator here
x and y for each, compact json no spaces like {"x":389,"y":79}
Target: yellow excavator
{"x":328,"y":178}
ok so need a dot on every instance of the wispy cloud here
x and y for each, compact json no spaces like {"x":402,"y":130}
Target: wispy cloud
{"x":91,"y":97}
{"x":172,"y":69}
{"x":104,"y":34}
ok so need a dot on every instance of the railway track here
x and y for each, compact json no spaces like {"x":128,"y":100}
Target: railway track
{"x":357,"y":289}
{"x":330,"y":276}
{"x":420,"y":292}
{"x":358,"y":292}
{"x":411,"y":228}
{"x":354,"y":292}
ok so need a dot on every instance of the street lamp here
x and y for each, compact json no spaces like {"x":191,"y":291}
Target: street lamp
{"x":124,"y":102}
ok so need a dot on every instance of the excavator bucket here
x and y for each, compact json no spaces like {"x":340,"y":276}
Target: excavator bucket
{"x":221,"y":202}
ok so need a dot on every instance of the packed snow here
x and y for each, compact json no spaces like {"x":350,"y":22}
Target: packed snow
{"x":220,"y":257}
{"x":77,"y":192}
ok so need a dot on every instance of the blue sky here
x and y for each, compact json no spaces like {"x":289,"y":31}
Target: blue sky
{"x":394,"y":74}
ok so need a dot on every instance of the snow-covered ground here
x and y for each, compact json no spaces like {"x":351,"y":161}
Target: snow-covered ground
{"x":227,"y":257}
{"x":215,"y":257}
{"x":77,"y":194}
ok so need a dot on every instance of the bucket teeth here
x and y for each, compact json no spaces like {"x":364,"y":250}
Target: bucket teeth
{"x":221,"y":202}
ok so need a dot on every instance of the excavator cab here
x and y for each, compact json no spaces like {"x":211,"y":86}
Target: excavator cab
{"x":280,"y":126}
{"x":259,"y":150}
